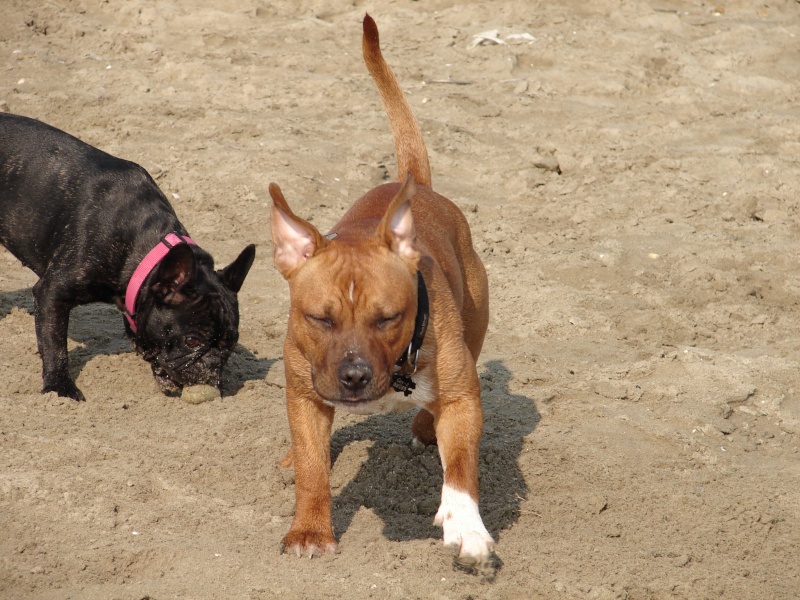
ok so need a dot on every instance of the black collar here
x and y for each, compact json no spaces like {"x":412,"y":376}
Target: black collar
{"x":407,"y":363}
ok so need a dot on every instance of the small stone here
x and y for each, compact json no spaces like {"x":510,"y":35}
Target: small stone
{"x":197,"y":394}
{"x":546,"y":162}
{"x":682,"y":560}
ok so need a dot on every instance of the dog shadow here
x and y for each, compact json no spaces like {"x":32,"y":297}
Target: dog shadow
{"x":402,"y":485}
{"x":21,"y":299}
{"x":98,"y":330}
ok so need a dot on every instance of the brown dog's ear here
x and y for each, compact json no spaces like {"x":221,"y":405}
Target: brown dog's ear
{"x":174,"y":271}
{"x":294,"y":240}
{"x":396,"y":229}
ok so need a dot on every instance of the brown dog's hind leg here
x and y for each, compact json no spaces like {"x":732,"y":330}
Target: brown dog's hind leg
{"x":423,"y":430}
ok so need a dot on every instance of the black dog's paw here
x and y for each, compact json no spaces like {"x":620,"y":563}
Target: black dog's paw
{"x":66,"y":389}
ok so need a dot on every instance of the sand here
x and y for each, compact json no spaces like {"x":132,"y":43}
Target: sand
{"x":631,"y":172}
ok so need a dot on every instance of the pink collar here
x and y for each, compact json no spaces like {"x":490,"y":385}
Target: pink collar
{"x":149,"y":263}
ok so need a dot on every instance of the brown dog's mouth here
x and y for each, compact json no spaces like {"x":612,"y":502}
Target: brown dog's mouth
{"x":355,"y":401}
{"x":345,"y":400}
{"x":342,"y":398}
{"x":381,"y":403}
{"x":350,"y":404}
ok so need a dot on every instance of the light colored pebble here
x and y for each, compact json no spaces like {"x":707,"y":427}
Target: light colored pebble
{"x":197,"y":394}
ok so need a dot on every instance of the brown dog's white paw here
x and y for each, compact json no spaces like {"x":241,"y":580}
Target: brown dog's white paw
{"x":463,"y":528}
{"x":309,"y":543}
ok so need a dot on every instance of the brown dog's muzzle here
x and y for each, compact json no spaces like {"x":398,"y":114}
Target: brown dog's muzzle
{"x":355,"y":374}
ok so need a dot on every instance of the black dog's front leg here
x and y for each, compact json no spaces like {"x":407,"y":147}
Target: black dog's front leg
{"x":52,"y":321}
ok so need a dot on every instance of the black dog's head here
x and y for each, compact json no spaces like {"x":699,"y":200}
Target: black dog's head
{"x":187,"y":316}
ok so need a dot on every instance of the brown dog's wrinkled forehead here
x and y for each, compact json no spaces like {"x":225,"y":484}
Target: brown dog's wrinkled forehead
{"x":357,"y":261}
{"x":360,"y":276}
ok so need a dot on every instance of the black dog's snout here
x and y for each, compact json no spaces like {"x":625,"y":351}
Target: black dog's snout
{"x":214,"y":361}
{"x":355,"y":375}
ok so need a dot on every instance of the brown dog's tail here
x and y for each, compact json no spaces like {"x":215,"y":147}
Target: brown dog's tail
{"x":412,"y":156}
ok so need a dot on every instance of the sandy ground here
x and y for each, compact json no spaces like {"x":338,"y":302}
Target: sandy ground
{"x":631,"y":173}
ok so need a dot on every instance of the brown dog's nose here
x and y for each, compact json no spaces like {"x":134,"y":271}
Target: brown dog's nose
{"x":355,"y":375}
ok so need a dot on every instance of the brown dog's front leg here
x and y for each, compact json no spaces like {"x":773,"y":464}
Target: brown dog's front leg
{"x":458,"y":423}
{"x":310,"y":422}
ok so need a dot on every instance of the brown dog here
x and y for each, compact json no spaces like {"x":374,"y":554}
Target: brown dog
{"x":360,"y":298}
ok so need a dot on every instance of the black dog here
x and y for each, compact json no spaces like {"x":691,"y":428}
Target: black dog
{"x":84,"y":221}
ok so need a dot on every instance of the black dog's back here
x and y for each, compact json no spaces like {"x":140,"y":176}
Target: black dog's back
{"x":46,"y":178}
{"x":84,"y":221}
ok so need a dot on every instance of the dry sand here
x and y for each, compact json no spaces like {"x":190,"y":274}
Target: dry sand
{"x":632,"y":176}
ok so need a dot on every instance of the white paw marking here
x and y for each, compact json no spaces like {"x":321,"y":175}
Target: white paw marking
{"x":463,"y":528}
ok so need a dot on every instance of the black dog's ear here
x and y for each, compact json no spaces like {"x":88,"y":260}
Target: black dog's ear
{"x":233,"y":275}
{"x":173,"y":272}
